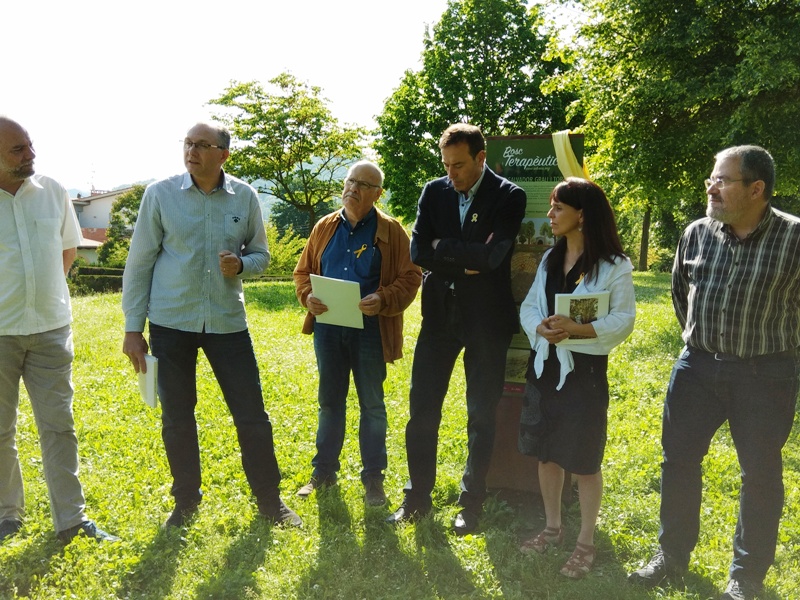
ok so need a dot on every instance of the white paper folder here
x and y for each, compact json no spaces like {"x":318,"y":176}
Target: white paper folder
{"x":148,"y":382}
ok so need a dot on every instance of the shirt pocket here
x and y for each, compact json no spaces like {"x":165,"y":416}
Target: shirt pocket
{"x":235,"y":229}
{"x":48,"y":235}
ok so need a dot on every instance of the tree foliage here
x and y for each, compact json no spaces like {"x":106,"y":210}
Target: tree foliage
{"x":288,"y":144}
{"x":124,"y":212}
{"x":284,"y":216}
{"x":665,"y":85}
{"x":484,"y":62}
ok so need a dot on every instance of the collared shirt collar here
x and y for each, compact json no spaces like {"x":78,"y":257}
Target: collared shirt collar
{"x":474,"y":189}
{"x":763,"y":224}
{"x":225,"y":183}
{"x":31,"y":180}
{"x":368,"y":217}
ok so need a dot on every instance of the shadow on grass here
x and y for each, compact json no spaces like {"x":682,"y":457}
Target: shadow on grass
{"x":20,"y":572}
{"x":537,"y":575}
{"x":337,"y":548}
{"x":443,"y":569}
{"x":236,"y":577}
{"x":378,"y":566}
{"x":153,"y":575}
{"x":396,"y":575}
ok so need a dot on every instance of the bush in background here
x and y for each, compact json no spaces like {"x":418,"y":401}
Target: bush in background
{"x":284,"y":250}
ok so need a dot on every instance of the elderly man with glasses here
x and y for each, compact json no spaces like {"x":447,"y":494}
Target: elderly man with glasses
{"x":196,"y":237}
{"x":736,"y":293}
{"x":362,"y":244}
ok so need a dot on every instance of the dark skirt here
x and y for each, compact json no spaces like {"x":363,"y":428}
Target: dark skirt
{"x":576,"y":416}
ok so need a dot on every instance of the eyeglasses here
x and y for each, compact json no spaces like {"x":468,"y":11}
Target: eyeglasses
{"x":202,"y":146}
{"x":720,"y":182}
{"x":361,"y":185}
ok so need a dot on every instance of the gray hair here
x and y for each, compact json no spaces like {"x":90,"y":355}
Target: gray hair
{"x":222,"y":133}
{"x":755,"y":164}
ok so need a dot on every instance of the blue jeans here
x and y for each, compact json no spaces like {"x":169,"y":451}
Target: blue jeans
{"x":757,"y":397}
{"x":339,"y":351}
{"x":234,"y":364}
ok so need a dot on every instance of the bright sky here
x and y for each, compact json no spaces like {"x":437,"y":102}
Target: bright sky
{"x":108,"y":89}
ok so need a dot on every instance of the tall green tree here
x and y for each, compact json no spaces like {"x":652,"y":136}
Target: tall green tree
{"x":484,"y":62}
{"x":288,"y":144}
{"x":665,"y":85}
{"x":124,"y":212}
{"x":286,"y":217}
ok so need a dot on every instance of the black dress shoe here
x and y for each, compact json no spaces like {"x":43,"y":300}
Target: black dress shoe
{"x":181,"y":516}
{"x":9,"y":528}
{"x":742,"y":590}
{"x":407,"y":514}
{"x":89,"y":529}
{"x":465,"y":522}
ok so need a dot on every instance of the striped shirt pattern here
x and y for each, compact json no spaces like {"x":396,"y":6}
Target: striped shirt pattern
{"x":739,"y":297}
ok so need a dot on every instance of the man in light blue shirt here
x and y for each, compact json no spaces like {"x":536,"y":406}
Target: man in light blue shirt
{"x":196,"y":237}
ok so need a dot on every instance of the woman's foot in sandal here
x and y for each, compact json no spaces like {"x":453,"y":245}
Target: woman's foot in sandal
{"x":580,"y":563}
{"x":549,"y":536}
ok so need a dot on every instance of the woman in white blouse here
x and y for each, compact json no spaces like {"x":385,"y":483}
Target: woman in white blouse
{"x":572,"y":378}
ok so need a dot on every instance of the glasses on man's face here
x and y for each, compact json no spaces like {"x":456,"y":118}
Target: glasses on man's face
{"x":361,"y":185}
{"x":201,"y":146}
{"x":720,"y":182}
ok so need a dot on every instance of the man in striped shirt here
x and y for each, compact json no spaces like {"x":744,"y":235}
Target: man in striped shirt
{"x":736,"y":293}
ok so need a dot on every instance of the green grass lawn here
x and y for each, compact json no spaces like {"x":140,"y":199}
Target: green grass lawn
{"x":345,"y":550}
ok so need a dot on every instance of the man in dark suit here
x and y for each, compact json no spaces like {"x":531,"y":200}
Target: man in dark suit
{"x":463,"y":236}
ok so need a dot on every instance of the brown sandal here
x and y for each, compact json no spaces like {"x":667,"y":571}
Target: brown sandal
{"x":549,"y":536}
{"x":580,"y":563}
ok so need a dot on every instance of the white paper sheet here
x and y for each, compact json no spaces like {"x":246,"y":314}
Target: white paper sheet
{"x":342,"y":298}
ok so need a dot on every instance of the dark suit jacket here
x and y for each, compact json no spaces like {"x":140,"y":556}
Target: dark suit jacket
{"x":485,"y":301}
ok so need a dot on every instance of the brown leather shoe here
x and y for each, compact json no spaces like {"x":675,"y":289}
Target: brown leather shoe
{"x":315,"y":484}
{"x":280,"y":514}
{"x":374,"y":494}
{"x":661,"y":568}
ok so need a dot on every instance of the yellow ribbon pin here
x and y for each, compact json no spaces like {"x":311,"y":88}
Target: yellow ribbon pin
{"x":360,"y":250}
{"x":475,"y":217}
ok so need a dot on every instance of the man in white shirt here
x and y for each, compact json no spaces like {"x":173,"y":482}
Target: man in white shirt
{"x":39,"y":234}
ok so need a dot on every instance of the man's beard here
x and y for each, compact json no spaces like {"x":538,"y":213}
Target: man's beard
{"x":725,"y":215}
{"x":23,"y":171}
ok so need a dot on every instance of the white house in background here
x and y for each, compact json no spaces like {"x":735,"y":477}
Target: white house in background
{"x":94,"y":212}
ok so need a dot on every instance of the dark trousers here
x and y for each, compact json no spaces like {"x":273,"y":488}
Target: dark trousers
{"x":233,"y":361}
{"x":438,"y":347}
{"x":757,"y":397}
{"x":339,"y":351}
